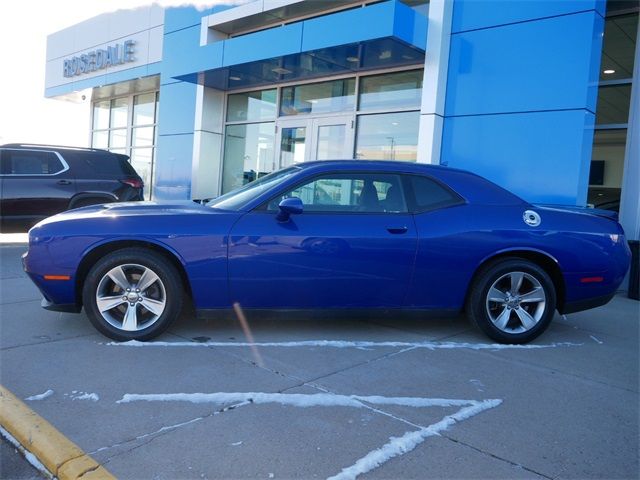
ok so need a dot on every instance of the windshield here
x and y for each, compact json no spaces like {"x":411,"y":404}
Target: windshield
{"x":236,"y":199}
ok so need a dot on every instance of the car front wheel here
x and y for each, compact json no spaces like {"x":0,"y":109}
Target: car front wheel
{"x":132,"y":294}
{"x":512,"y":301}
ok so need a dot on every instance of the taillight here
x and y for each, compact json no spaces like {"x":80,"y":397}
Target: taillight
{"x":133,"y":182}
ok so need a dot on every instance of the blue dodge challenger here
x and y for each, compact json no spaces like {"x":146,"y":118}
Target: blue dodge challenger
{"x":332,"y":235}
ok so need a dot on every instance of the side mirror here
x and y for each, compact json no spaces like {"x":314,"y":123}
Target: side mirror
{"x":289,"y":206}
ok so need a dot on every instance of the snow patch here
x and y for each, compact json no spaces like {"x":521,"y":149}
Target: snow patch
{"x":85,"y":396}
{"x":301,"y":400}
{"x":30,"y":457}
{"x":348,"y":344}
{"x":410,"y":440}
{"x":235,"y":444}
{"x":40,"y":396}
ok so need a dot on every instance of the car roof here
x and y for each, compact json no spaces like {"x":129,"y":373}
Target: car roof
{"x":390,"y":165}
{"x":57,"y":148}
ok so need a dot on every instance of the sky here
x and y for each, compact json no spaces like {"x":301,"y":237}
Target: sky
{"x":25,"y":115}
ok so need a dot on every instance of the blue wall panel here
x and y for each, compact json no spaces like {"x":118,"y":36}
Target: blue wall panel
{"x":174,"y":152}
{"x":271,"y":43}
{"x":542,"y":65}
{"x":173,"y":167}
{"x":474,"y":14}
{"x":539,"y":156}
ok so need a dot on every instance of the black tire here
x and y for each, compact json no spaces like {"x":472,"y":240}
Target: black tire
{"x":488,"y":315}
{"x":166,"y":290}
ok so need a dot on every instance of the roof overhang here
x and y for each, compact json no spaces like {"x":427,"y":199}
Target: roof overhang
{"x":382,"y":35}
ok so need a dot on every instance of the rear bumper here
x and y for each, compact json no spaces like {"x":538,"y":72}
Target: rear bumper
{"x":580,"y":305}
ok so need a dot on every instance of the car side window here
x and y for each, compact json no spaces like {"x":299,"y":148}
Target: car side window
{"x":30,"y":162}
{"x":349,"y":193}
{"x":430,"y":195}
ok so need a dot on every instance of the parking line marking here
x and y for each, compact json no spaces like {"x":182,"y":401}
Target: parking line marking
{"x":396,"y":446}
{"x":348,"y":344}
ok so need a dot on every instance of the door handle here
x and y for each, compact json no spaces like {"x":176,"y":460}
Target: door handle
{"x":397,"y":230}
{"x":64,"y":182}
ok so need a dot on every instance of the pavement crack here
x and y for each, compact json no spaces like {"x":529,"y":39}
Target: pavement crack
{"x":163,"y":431}
{"x":53,"y":340}
{"x":497,"y":457}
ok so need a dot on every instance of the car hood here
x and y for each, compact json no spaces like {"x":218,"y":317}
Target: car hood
{"x":129,"y":209}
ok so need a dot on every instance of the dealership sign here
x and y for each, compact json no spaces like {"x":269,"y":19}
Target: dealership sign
{"x":99,"y":59}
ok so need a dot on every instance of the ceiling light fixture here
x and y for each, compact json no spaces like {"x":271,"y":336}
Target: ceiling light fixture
{"x":234,"y":78}
{"x":280,"y":70}
{"x":609,"y":71}
{"x":353,"y":59}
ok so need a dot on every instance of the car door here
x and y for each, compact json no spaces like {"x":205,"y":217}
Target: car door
{"x":35,"y":184}
{"x":353,"y":246}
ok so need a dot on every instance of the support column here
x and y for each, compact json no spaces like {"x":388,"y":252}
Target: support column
{"x":434,"y":82}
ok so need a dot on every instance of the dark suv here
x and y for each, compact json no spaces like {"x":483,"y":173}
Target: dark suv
{"x":37,"y":181}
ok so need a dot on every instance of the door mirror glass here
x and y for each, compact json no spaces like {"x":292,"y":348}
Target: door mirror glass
{"x":289,"y":206}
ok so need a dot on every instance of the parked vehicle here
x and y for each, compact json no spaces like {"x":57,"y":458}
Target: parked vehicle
{"x":332,"y":234}
{"x":37,"y":181}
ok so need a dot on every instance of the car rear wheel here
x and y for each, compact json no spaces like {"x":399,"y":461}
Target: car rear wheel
{"x":132,"y":294}
{"x":512,"y":301}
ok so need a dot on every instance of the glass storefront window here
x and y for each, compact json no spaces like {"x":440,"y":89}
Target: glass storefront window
{"x":388,"y":136}
{"x":613,"y":104}
{"x":142,"y":161}
{"x":335,"y":96}
{"x":100,"y":139}
{"x":101,"y":115}
{"x":143,"y":109}
{"x":391,"y":91}
{"x":252,"y":106}
{"x":118,"y":138}
{"x":607,"y":164}
{"x":119,"y":112}
{"x":292,"y":146}
{"x":330,"y":144}
{"x":618,"y":50}
{"x":142,"y":137}
{"x":248,"y":153}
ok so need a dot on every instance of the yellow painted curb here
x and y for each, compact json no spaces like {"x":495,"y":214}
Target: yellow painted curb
{"x":62,"y":458}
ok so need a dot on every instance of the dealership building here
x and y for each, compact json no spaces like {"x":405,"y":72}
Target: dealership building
{"x":539,"y":96}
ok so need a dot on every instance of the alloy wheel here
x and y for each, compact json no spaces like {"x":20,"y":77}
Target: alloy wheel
{"x":516,"y":302}
{"x":131,"y":297}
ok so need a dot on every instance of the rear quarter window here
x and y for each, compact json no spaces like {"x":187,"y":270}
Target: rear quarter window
{"x":429,"y":194}
{"x":102,"y":164}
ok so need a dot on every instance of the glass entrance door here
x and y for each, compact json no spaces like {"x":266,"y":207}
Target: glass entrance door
{"x":326,"y":138}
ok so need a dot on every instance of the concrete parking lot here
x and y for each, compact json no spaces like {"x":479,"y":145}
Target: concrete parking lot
{"x":384,"y":396}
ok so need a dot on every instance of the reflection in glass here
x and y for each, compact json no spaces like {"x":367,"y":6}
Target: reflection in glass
{"x":330,"y":142}
{"x":118,"y":138}
{"x":143,"y":109}
{"x":619,"y":45}
{"x":142,"y":160}
{"x":248,"y":153}
{"x":607,"y":164}
{"x":335,"y":96}
{"x":360,"y":192}
{"x":613,"y":104}
{"x":100,"y":139}
{"x":143,"y":137}
{"x":292,"y":146}
{"x":101,"y":115}
{"x":252,"y":106}
{"x":388,"y":136}
{"x":119,"y":111}
{"x":391,"y":90}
